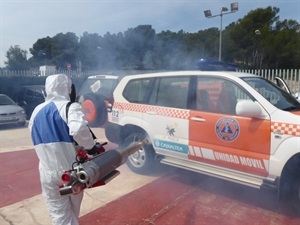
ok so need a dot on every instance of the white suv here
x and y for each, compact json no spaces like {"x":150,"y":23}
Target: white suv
{"x":235,"y":126}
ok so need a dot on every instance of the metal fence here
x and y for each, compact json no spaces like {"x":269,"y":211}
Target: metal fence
{"x":291,"y":76}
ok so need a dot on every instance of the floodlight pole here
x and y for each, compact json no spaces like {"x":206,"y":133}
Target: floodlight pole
{"x":220,"y":41}
{"x":234,"y":8}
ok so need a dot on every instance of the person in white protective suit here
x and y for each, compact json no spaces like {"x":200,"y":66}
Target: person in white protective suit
{"x":53,"y":138}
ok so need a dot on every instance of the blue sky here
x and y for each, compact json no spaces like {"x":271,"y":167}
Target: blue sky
{"x":23,"y":22}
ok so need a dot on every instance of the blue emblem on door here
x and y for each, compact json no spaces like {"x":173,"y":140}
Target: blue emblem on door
{"x":227,"y":129}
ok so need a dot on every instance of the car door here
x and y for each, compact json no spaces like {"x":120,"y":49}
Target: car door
{"x":33,"y":96}
{"x":221,"y":138}
{"x":167,"y":117}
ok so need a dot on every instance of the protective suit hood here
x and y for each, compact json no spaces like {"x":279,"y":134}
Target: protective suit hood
{"x":58,"y":87}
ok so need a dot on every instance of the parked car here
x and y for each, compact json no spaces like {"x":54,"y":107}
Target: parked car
{"x":95,"y":95}
{"x":29,"y":96}
{"x":282,"y":84}
{"x":236,"y":126}
{"x":10,"y":112}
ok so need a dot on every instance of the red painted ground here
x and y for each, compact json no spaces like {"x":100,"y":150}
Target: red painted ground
{"x":181,"y":198}
{"x":186,"y":198}
{"x":19,"y":177}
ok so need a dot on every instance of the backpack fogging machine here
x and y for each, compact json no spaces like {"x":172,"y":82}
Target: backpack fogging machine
{"x":88,"y":172}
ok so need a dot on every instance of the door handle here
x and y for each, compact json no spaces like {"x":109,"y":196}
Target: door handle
{"x":198,"y":119}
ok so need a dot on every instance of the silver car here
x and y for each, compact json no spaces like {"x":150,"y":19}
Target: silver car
{"x":10,"y":112}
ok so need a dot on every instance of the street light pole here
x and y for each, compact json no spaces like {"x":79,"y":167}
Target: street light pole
{"x":220,"y":41}
{"x":224,"y":11}
{"x":257,"y":55}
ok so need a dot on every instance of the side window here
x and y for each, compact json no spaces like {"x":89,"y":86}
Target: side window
{"x":29,"y":93}
{"x":38,"y":94}
{"x":136,"y":90}
{"x":170,"y":92}
{"x":218,"y":95}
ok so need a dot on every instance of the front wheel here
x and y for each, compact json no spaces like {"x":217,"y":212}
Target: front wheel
{"x":290,"y":184}
{"x":142,"y":161}
{"x":295,"y":195}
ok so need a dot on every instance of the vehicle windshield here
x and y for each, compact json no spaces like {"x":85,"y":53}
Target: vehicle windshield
{"x":275,"y":95}
{"x":102,"y":87}
{"x":5,"y":100}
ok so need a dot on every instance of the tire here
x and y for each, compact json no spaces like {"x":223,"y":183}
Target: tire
{"x":295,"y":195}
{"x":142,"y":161}
{"x":291,"y":184}
{"x":95,"y":111}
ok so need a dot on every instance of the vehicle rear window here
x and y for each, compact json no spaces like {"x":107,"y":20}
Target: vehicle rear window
{"x":102,"y":87}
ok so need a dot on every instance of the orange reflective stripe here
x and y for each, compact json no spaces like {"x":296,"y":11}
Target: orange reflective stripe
{"x":243,"y":161}
{"x":162,"y":111}
{"x":285,"y":128}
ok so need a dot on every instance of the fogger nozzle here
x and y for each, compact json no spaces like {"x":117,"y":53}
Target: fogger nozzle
{"x":132,"y":148}
{"x":103,"y":166}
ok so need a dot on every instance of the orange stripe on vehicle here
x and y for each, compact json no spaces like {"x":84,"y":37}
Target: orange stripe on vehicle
{"x":285,"y":128}
{"x":249,"y":163}
{"x":296,"y":113}
{"x":159,"y":110}
{"x":195,"y":151}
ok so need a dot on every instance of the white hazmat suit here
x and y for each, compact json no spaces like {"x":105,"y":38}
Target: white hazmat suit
{"x":53,"y":137}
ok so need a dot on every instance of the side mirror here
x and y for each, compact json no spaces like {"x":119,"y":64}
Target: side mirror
{"x":249,"y":108}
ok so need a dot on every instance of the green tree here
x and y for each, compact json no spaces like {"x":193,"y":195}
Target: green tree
{"x":41,"y":52}
{"x":168,"y":46}
{"x":258,"y":40}
{"x":113,"y":51}
{"x":283,"y":46}
{"x":89,"y":51}
{"x":137,"y":42}
{"x":247,"y":40}
{"x":16,"y":59}
{"x":229,"y":46}
{"x":58,"y":50}
{"x":63,"y":50}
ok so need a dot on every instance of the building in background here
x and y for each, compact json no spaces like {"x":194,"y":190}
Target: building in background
{"x":47,"y":70}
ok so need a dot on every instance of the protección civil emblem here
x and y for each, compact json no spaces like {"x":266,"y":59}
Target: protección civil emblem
{"x":227,"y":129}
